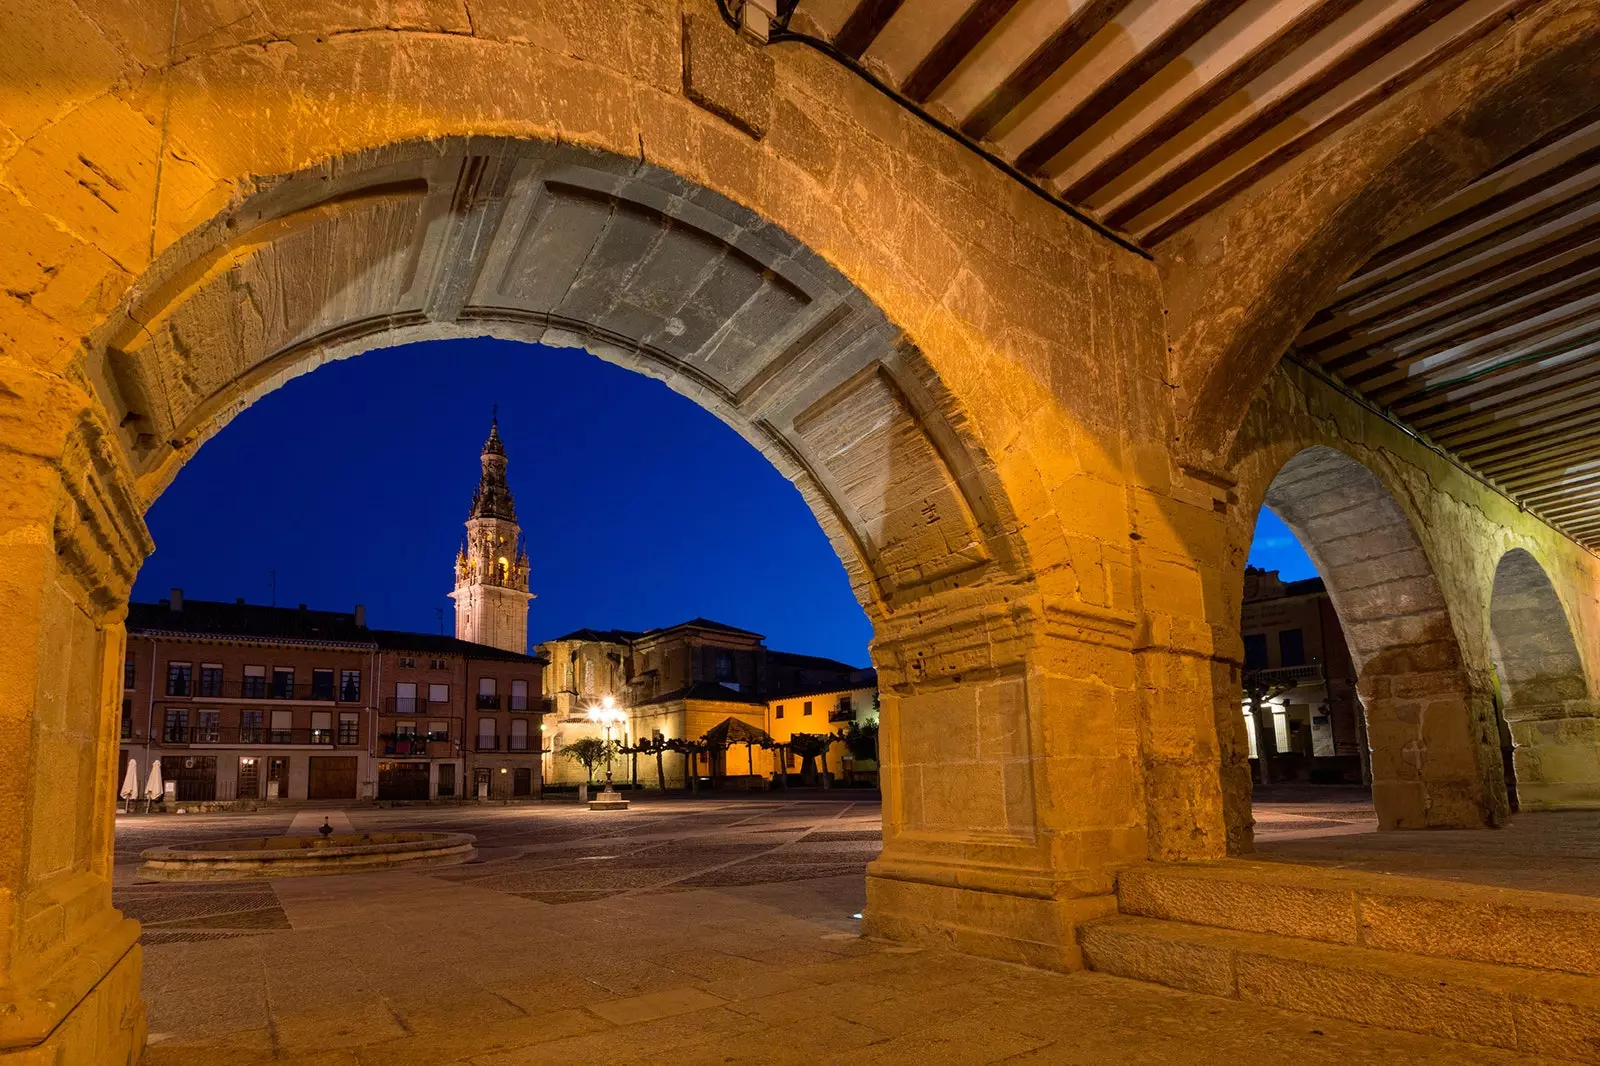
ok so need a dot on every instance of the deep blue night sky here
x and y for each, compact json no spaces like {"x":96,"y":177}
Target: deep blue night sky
{"x":640,"y":508}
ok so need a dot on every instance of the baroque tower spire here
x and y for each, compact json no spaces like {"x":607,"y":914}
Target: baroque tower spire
{"x":491,"y":590}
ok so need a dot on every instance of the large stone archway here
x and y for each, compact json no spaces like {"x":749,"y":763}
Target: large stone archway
{"x":1543,"y":687}
{"x":539,"y":241}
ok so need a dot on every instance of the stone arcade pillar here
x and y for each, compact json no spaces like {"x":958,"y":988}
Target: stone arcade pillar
{"x":71,"y":540}
{"x":1010,"y":746}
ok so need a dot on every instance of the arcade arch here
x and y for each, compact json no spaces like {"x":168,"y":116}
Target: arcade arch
{"x":1543,"y":688}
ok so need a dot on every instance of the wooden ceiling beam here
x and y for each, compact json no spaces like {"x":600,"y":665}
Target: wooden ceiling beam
{"x":1045,"y":60}
{"x":957,"y":43}
{"x":1178,"y":38}
{"x":863,"y":26}
{"x":1342,"y":70}
{"x":1312,"y":21}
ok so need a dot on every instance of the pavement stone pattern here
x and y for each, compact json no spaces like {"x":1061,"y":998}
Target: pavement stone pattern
{"x":689,"y":931}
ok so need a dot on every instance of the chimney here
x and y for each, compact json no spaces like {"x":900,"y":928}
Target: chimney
{"x":361,"y":616}
{"x":177,"y":601}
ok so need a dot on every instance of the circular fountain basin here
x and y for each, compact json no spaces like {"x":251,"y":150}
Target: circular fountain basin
{"x":303,"y":856}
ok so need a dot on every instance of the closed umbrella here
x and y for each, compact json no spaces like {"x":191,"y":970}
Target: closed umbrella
{"x":152,"y":784}
{"x":130,"y":782}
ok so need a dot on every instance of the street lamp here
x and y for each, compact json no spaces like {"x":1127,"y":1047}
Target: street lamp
{"x":608,"y":714}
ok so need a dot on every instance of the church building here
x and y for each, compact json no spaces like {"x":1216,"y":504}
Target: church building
{"x":491,"y":590}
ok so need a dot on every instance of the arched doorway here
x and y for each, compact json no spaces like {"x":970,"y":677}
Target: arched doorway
{"x":1433,"y":749}
{"x":1544,"y":690}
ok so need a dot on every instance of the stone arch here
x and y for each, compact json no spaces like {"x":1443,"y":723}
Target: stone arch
{"x":1544,"y":688}
{"x":550,"y":243}
{"x":1430,"y":728}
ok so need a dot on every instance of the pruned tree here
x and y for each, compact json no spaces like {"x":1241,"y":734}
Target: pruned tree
{"x":812,"y":747}
{"x":590,"y":752}
{"x":689,"y":749}
{"x":782,"y":751}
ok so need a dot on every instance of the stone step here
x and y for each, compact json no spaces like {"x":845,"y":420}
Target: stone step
{"x":1417,"y":916}
{"x":1536,"y":1012}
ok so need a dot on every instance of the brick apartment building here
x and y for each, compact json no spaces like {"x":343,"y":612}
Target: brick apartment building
{"x":241,"y":701}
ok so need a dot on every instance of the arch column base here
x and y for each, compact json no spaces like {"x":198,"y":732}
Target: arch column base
{"x":105,"y":1026}
{"x":1005,"y":917}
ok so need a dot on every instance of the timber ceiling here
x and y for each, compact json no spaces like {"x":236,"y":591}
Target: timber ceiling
{"x":1478,"y":327}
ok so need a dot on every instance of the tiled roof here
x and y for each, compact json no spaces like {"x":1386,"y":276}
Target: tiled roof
{"x":600,"y":636}
{"x":433,"y":643}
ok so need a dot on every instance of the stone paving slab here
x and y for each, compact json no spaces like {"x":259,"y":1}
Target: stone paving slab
{"x":741,"y":948}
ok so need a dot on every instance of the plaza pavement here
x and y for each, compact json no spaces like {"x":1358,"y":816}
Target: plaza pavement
{"x":681,"y":931}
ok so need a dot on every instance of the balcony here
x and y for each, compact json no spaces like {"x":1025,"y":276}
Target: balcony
{"x":842,"y":714}
{"x":229,"y":736}
{"x":487,"y":744}
{"x":488,"y":702}
{"x":413,"y":705}
{"x":261,"y":688}
{"x":1283,"y":678}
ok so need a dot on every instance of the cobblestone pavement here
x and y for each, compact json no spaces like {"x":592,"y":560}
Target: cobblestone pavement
{"x":676,"y":932}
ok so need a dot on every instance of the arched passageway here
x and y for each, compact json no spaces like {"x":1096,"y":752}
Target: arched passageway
{"x":1543,"y":688}
{"x":1429,"y":723}
{"x":571,"y":247}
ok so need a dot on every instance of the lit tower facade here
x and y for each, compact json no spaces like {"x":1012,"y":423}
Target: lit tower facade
{"x":492,"y":567}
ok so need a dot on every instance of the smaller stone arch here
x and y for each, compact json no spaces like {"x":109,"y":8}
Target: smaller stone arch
{"x":1544,"y":688}
{"x":1430,"y":726}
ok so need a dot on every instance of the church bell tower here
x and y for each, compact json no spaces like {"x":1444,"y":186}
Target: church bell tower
{"x":491,"y":591}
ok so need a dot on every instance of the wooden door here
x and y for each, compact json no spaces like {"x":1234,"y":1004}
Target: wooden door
{"x":249,"y":777}
{"x":332,"y":777}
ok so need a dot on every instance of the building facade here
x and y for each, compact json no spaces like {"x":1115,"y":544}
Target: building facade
{"x":1299,"y":696}
{"x":822,"y":710}
{"x":680,"y":682}
{"x":244,"y":702}
{"x":491,"y":590}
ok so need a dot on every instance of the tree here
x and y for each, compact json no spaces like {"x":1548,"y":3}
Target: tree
{"x":656,"y":746}
{"x":862,"y":741}
{"x":589,"y":751}
{"x":783,"y":759}
{"x":810,"y":747}
{"x":688,"y":749}
{"x":632,"y":751}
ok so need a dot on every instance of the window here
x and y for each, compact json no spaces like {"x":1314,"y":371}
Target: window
{"x":438,"y":730}
{"x":407,"y":662}
{"x":519,"y":734}
{"x":486,"y":735}
{"x":405,"y":729}
{"x":588,"y":678}
{"x":210,"y":680}
{"x":283,"y":682}
{"x":519,"y":695}
{"x":127,"y":718}
{"x":255,"y":683}
{"x":349,"y":727}
{"x":249,"y":727}
{"x":780,"y":711}
{"x":208,"y":727}
{"x":1291,"y":648}
{"x":405,"y":697}
{"x":438,"y":693}
{"x":127,"y":672}
{"x":842,"y":711}
{"x":282,"y":727}
{"x":322,"y":684}
{"x":1255,"y":651}
{"x":177,"y":731}
{"x":178,"y":679}
{"x":725,"y":666}
{"x":438,"y":664}
{"x":487,"y":698}
{"x":322,"y":726}
{"x":350,"y":686}
{"x":805,"y":709}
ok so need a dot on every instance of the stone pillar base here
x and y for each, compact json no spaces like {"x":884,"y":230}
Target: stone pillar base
{"x":1024,"y":929}
{"x":106,"y":1027}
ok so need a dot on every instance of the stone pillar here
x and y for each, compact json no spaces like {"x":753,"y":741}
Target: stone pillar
{"x":71,"y":540}
{"x":1009,"y":754}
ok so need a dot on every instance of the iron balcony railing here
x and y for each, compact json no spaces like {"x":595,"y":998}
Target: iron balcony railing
{"x":487,"y":702}
{"x":842,"y":714}
{"x":265,"y":688}
{"x":1284,"y":676}
{"x":509,"y":744}
{"x":236,"y":735}
{"x":413,"y":705}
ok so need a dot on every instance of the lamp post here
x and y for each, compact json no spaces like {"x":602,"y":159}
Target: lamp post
{"x":608,"y":714}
